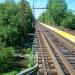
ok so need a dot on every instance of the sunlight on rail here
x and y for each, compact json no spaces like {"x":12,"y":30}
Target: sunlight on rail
{"x":62,"y":33}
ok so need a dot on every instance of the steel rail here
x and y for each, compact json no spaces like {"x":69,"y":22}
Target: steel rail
{"x":57,"y":65}
{"x":65,"y":43}
{"x":71,"y":47}
{"x":44,"y":67}
{"x":67,"y":64}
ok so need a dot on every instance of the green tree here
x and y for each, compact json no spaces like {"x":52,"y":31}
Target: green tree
{"x":69,"y":20}
{"x":58,"y":14}
{"x":10,"y":22}
{"x":57,"y":9}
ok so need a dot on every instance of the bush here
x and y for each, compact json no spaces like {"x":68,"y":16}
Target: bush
{"x":11,"y":29}
{"x":6,"y":61}
{"x":68,"y":21}
{"x":10,"y":73}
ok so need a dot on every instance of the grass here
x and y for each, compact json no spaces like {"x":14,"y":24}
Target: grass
{"x":19,"y":63}
{"x":10,"y":73}
{"x":26,"y":63}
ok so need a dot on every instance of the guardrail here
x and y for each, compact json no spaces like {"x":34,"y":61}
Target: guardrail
{"x":30,"y":71}
{"x":33,"y":70}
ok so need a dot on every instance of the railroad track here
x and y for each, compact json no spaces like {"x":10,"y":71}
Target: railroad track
{"x":54,"y":58}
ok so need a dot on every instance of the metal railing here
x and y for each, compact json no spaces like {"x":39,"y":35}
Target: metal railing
{"x":30,"y":71}
{"x":33,"y":70}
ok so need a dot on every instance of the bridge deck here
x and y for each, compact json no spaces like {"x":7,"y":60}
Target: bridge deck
{"x":62,"y":33}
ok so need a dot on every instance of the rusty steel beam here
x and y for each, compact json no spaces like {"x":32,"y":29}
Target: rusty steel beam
{"x":22,"y":12}
{"x":22,"y":27}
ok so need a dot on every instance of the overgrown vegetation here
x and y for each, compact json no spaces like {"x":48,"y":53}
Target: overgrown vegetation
{"x":10,"y":31}
{"x":58,"y":14}
{"x":6,"y":61}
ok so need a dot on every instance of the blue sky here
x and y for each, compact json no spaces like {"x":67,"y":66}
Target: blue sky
{"x":42,"y":3}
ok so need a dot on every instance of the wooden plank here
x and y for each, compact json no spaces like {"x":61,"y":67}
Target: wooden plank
{"x":66,"y":63}
{"x":57,"y":65}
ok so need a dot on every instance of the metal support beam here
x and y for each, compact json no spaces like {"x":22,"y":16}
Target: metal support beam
{"x":22,"y":22}
{"x":41,"y":8}
{"x":22,"y":12}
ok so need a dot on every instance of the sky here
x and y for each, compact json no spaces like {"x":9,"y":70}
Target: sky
{"x":42,"y":3}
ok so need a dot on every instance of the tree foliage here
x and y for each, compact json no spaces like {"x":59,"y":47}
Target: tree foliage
{"x":10,"y":30}
{"x":57,"y":9}
{"x":68,"y":21}
{"x":6,"y":62}
{"x":58,"y":14}
{"x":10,"y":22}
